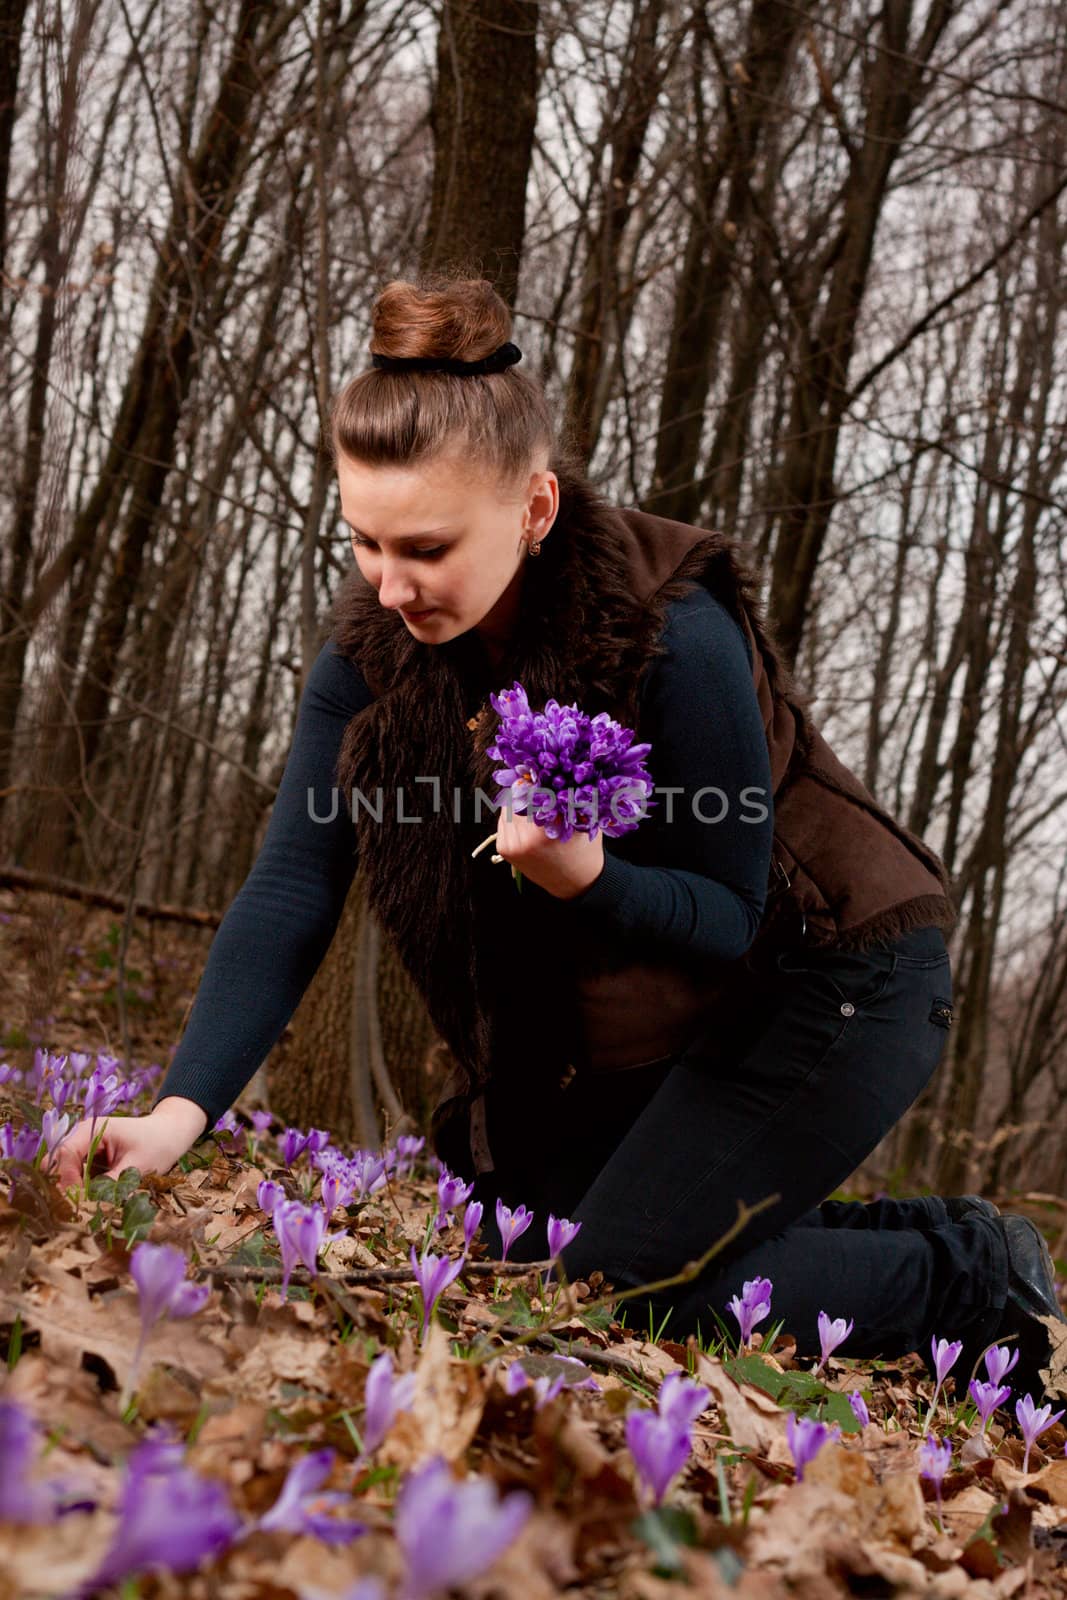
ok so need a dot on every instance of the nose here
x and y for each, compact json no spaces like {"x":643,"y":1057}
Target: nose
{"x":395,"y":589}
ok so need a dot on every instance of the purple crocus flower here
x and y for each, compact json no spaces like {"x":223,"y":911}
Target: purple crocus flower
{"x":999,"y":1361}
{"x":1033,"y":1420}
{"x":511,"y":1224}
{"x":752,"y":1307}
{"x":103,"y":1094}
{"x":547,"y":1386}
{"x":261,"y":1121}
{"x":269,"y":1194}
{"x":337,"y":1189}
{"x":24,"y":1498}
{"x":567,"y":770}
{"x":681,"y":1400}
{"x":831,"y":1334}
{"x":805,"y":1438}
{"x":660,"y":1447}
{"x":987,"y":1397}
{"x":228,"y":1128}
{"x":407,"y":1148}
{"x":168,"y":1517}
{"x":292,"y":1145}
{"x":945,"y":1354}
{"x":301,"y":1232}
{"x":544,"y":1387}
{"x":450,"y":1530}
{"x":451,"y":1192}
{"x":158,"y":1270}
{"x":561,"y":1233}
{"x":935,"y":1458}
{"x":62,"y":1091}
{"x":472,"y":1221}
{"x":859,"y":1408}
{"x":383,"y":1398}
{"x":300,"y":1508}
{"x":433,"y":1274}
{"x":54,"y":1130}
{"x":934,"y":1462}
{"x":368,"y":1173}
{"x":21,"y":1146}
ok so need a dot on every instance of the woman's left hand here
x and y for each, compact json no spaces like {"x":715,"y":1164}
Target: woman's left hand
{"x":561,"y":867}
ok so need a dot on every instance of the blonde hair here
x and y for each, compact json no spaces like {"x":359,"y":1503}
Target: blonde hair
{"x":497,"y":421}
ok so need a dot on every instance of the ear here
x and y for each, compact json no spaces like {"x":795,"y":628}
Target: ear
{"x":543,"y":508}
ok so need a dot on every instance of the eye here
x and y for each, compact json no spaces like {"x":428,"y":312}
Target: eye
{"x":359,"y":543}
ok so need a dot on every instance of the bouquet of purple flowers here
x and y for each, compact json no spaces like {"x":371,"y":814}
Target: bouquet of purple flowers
{"x":567,"y":771}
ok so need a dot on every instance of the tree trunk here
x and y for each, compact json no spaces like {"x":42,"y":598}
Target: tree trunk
{"x":483,"y":116}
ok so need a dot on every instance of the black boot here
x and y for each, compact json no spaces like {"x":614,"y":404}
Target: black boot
{"x":1031,"y":1295}
{"x":959,"y":1206}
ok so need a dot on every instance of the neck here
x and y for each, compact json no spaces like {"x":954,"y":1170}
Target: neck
{"x":497,"y":628}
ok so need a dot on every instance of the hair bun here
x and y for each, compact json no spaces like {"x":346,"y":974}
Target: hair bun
{"x":439,"y":317}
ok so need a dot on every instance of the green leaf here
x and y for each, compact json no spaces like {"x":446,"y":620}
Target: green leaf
{"x":729,"y":1564}
{"x":102,"y":1189}
{"x":138,"y":1217}
{"x":378,"y":1475}
{"x":795,"y":1391}
{"x":14,"y":1348}
{"x":517,"y":1309}
{"x":837,"y":1409}
{"x":129,"y":1179}
{"x":252,"y":1252}
{"x":599,"y":1318}
{"x":750,"y":1369}
{"x":666,"y":1530}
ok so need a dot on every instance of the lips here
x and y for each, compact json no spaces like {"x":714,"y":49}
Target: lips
{"x":418,"y":616}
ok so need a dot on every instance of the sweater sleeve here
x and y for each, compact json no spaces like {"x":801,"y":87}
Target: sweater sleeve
{"x":702,"y":896}
{"x":278,"y":928}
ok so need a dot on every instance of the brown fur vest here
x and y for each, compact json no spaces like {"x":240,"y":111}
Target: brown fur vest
{"x":593,"y":608}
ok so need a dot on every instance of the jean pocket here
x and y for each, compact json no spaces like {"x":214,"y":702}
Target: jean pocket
{"x":851,"y":979}
{"x":924,"y":963}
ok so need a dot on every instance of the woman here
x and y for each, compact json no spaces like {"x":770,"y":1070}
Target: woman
{"x":736,"y":1001}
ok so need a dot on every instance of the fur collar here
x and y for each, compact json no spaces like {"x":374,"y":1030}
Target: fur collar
{"x":593,"y":605}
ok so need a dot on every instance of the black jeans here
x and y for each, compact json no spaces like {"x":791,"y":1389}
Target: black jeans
{"x":786,"y":1100}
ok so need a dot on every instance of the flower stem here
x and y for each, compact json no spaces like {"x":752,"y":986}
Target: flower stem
{"x":94,"y":1145}
{"x":933,"y":1408}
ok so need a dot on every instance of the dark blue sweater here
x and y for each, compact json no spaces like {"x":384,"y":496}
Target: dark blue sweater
{"x":699,"y":898}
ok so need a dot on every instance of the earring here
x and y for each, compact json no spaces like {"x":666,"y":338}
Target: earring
{"x":535,"y":548}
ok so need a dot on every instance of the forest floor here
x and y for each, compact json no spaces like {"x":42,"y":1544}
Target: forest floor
{"x":252,"y":1382}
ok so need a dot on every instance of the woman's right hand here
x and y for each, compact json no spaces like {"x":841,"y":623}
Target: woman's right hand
{"x":151,"y":1143}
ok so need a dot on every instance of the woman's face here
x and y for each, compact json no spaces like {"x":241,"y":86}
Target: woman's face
{"x":440,"y":539}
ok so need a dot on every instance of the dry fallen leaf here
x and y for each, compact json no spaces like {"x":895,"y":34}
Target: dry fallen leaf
{"x":294,"y":1355}
{"x":1054,"y":1375}
{"x":72,"y":1324}
{"x":752,"y":1418}
{"x":448,"y":1405}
